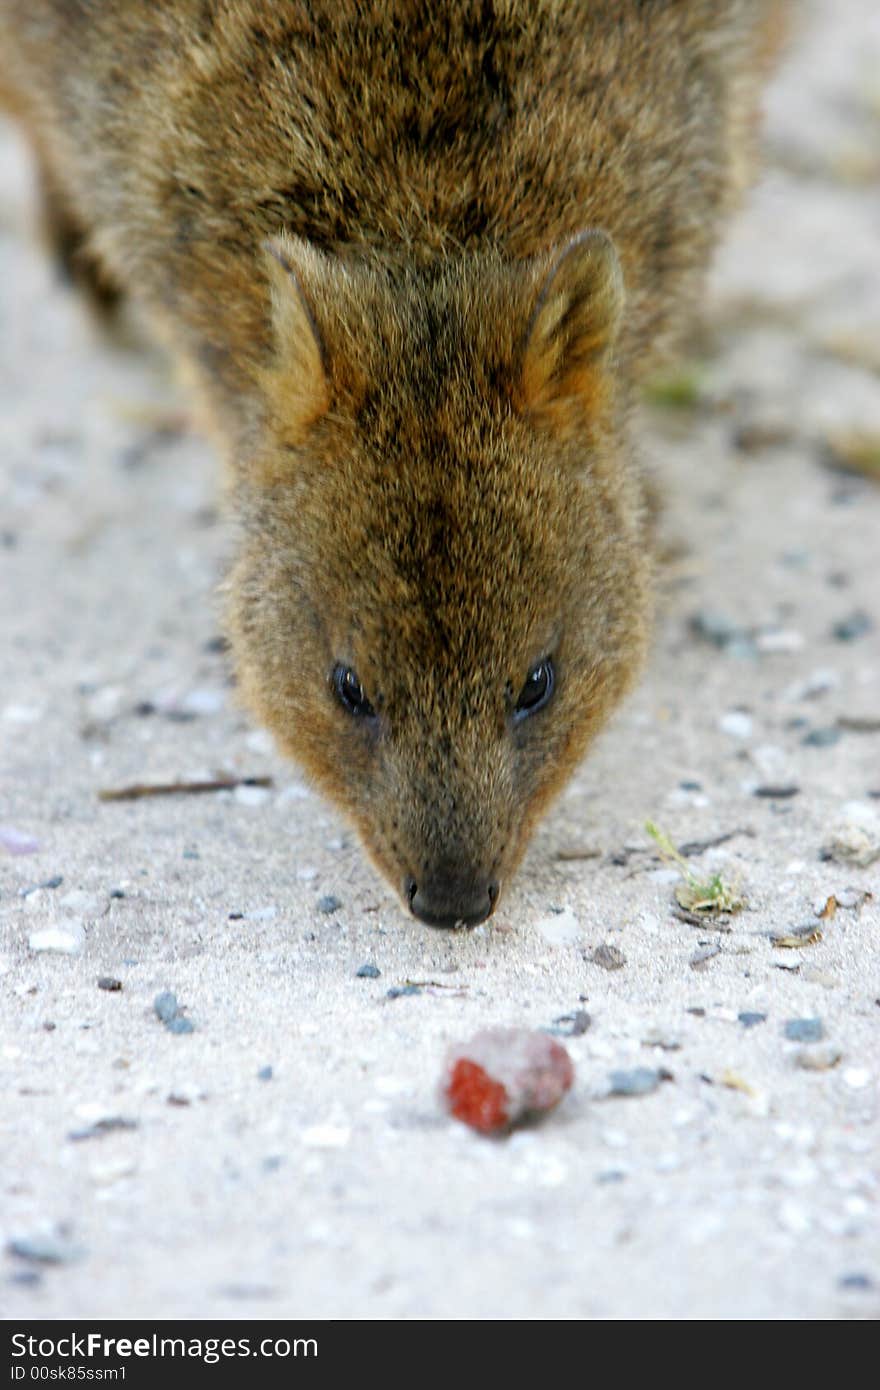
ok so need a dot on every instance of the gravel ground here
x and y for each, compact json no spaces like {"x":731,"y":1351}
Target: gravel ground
{"x":163,"y":1173}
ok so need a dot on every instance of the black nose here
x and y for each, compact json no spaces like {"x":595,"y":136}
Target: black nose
{"x":444,"y":901}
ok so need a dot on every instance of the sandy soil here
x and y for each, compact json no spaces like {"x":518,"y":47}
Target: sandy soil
{"x":746,"y":1184}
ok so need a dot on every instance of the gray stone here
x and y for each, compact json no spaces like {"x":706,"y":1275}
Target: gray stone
{"x":804,"y":1030}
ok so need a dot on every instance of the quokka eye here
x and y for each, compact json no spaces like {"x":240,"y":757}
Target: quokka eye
{"x":537,"y":690}
{"x":350,"y":693}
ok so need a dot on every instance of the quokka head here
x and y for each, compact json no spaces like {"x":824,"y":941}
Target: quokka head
{"x":442,"y":587}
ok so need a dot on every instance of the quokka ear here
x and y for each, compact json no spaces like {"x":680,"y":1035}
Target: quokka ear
{"x":569,"y":340}
{"x":298,"y":378}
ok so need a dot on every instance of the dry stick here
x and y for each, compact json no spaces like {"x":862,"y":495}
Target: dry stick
{"x":219,"y":784}
{"x":692,"y":848}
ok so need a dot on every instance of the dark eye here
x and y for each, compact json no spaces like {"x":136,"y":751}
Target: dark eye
{"x":350,"y":693}
{"x":537,"y":690}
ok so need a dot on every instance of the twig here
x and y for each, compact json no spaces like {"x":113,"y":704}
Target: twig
{"x":218,"y":784}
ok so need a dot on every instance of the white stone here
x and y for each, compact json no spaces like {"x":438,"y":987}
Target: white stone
{"x":203,"y":701}
{"x":252,"y":796}
{"x":817,"y":683}
{"x":68,"y":938}
{"x":779,"y":640}
{"x":664,"y":875}
{"x":104,"y":1173}
{"x":736,"y":723}
{"x":560,"y":928}
{"x":857,"y":1078}
{"x":23,"y":714}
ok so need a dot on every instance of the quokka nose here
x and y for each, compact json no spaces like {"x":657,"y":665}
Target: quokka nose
{"x":452,"y":902}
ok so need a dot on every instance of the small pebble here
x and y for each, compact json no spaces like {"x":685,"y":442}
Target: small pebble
{"x":851,"y":898}
{"x":398,"y":991}
{"x":168,"y":1010}
{"x":816,"y":684}
{"x":54,"y":882}
{"x":166,"y":1006}
{"x":700,"y":959}
{"x":368,"y":972}
{"x":186,"y":1093}
{"x":504,"y":1076}
{"x":804,"y":1029}
{"x":822,"y":738}
{"x":265,"y":1074}
{"x":818,"y":1058}
{"x":571,"y":1025}
{"x":750,"y":1020}
{"x":722,"y":632}
{"x":329,"y":904}
{"x":110,"y":983}
{"x":777,"y":793}
{"x":856,"y":1281}
{"x":247,"y":1291}
{"x":797,"y":937}
{"x":858,"y":624}
{"x":180,"y":1025}
{"x":47,"y":1250}
{"x":108,"y":1125}
{"x":853,"y":843}
{"x":608,"y":957}
{"x":659,"y":1037}
{"x":641,"y":1081}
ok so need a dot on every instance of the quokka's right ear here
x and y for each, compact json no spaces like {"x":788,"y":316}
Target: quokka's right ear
{"x":569,"y":340}
{"x":299,"y":376}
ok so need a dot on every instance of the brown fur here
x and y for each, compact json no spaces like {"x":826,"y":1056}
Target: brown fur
{"x":416,"y":256}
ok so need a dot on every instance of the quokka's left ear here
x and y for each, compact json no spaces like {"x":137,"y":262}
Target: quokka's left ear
{"x":573,"y":328}
{"x":299,"y":374}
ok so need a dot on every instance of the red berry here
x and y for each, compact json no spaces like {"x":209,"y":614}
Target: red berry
{"x":475,"y":1098}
